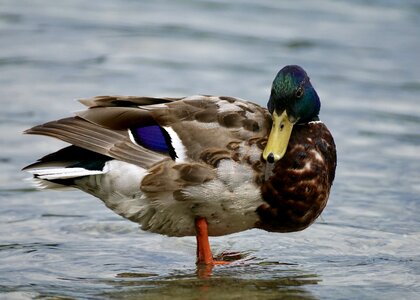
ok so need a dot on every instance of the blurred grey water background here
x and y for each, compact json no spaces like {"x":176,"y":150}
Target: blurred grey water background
{"x":363,"y":59}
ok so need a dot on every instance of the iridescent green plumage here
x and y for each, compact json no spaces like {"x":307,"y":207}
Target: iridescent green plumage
{"x":293,"y":92}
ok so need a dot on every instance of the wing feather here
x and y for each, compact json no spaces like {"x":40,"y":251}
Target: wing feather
{"x":200,"y":122}
{"x":123,"y":101}
{"x":118,"y":118}
{"x":113,"y":143}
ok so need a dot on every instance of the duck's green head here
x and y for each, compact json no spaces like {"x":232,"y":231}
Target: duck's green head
{"x":293,"y":100}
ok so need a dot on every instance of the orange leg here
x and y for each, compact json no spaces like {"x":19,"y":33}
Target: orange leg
{"x":204,"y":255}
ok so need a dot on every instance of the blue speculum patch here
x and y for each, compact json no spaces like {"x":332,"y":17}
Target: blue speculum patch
{"x":152,"y":137}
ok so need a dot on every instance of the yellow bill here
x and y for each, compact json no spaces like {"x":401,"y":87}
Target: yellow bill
{"x":279,"y":137}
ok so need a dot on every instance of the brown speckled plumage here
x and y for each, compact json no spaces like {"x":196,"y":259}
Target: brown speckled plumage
{"x":298,"y":190}
{"x":214,"y":132}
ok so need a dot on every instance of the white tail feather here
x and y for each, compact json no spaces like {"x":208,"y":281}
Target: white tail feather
{"x":41,"y":184}
{"x":64,"y":173}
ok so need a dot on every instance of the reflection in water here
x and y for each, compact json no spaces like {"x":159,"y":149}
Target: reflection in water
{"x":253,"y":280}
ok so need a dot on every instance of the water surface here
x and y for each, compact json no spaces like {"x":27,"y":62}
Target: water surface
{"x":363,"y":59}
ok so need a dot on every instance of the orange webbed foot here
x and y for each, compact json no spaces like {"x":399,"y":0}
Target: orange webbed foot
{"x":204,"y":254}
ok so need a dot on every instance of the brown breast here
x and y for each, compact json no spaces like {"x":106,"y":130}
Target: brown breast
{"x":298,"y":189}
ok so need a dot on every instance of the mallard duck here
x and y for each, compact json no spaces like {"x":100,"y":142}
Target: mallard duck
{"x":200,"y":165}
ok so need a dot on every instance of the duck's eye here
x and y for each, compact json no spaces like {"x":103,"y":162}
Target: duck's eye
{"x":299,"y":92}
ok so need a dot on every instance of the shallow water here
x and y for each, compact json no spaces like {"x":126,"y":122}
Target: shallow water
{"x":363,"y":59}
